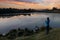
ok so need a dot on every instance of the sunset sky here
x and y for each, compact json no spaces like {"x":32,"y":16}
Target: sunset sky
{"x":26,"y":4}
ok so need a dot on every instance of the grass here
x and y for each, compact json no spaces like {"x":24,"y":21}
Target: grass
{"x":53,"y":35}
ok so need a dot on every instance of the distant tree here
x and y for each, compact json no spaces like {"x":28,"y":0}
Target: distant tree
{"x":54,"y":8}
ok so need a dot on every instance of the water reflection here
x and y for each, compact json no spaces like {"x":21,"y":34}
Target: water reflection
{"x":36,"y":19}
{"x":14,"y":14}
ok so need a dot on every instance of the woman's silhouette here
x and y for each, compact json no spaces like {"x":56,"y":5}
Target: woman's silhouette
{"x":47,"y":25}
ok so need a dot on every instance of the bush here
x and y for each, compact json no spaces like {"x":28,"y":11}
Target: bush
{"x":43,"y":28}
{"x":1,"y":35}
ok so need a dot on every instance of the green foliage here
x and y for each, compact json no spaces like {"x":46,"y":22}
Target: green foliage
{"x":15,"y":33}
{"x":53,"y":35}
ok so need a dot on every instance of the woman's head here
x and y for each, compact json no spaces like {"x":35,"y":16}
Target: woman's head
{"x":47,"y":18}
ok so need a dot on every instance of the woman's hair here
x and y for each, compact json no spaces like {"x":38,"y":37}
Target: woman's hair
{"x":47,"y":18}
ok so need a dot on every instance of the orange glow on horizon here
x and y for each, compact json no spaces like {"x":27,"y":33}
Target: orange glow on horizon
{"x":27,"y":5}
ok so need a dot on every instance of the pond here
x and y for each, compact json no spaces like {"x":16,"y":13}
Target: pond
{"x":35,"y":19}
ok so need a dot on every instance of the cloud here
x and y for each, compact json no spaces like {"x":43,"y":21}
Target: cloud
{"x":37,"y":4}
{"x":38,"y":1}
{"x":20,"y":5}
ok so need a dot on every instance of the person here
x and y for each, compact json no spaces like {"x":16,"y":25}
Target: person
{"x":47,"y":25}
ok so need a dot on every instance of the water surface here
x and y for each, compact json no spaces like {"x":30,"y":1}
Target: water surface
{"x":36,"y":19}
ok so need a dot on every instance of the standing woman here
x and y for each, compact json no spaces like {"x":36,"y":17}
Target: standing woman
{"x":47,"y":25}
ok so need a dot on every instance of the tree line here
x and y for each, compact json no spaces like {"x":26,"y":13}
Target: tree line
{"x":13,"y":10}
